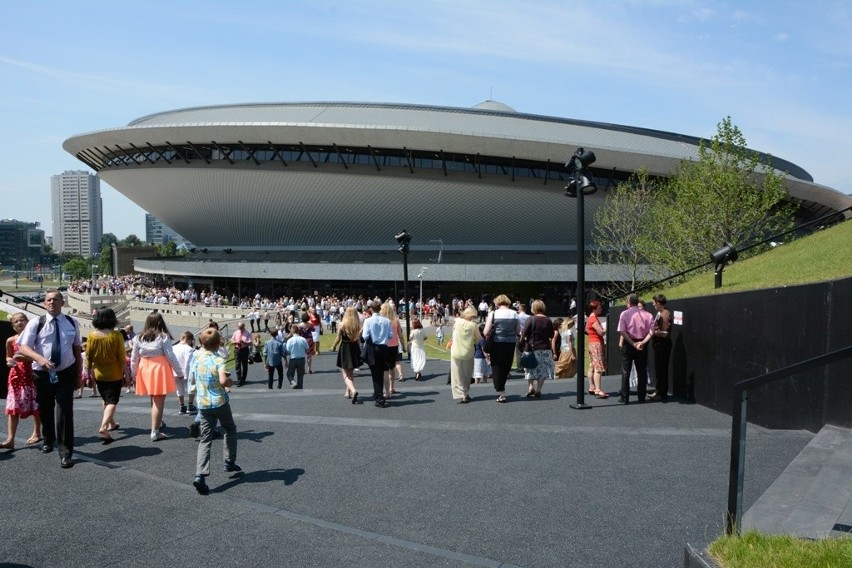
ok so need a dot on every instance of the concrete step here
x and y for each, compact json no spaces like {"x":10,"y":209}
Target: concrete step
{"x":812,"y":495}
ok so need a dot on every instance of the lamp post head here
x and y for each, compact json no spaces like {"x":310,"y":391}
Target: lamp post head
{"x":727,"y":253}
{"x":576,"y":165}
{"x":404,"y":241}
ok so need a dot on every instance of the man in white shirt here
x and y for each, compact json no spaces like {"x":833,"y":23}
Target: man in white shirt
{"x":54,"y":345}
{"x":377,"y":329}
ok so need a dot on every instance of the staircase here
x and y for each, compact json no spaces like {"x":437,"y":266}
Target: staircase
{"x":812,"y":498}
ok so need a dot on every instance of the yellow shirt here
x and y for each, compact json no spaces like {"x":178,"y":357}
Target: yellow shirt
{"x":105,"y":356}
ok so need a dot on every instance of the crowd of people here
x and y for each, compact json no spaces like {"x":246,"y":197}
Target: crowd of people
{"x":49,"y":360}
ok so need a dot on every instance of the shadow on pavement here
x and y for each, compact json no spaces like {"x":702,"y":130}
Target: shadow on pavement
{"x":288,"y":476}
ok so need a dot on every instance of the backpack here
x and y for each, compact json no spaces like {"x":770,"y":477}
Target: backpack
{"x":43,"y":319}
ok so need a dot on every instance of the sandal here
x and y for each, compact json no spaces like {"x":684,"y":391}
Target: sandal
{"x":33,"y":440}
{"x":116,"y":426}
{"x":10,"y":445}
{"x":601,"y":394}
{"x":501,"y":399}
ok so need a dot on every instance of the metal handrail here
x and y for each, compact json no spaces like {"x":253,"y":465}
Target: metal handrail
{"x":738,"y":427}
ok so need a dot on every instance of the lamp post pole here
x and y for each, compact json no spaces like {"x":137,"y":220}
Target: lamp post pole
{"x":420,"y":304}
{"x":578,"y":187}
{"x":404,"y":240}
{"x":581,"y":302}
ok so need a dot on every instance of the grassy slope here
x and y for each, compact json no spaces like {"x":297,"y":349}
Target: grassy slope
{"x":825,"y":255}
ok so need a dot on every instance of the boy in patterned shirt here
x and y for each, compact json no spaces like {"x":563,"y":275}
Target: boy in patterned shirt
{"x":208,"y":375}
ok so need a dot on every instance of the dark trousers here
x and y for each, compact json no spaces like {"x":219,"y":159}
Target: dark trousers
{"x":242,"y":358}
{"x":501,"y":363}
{"x":271,"y":370}
{"x":630,"y":356}
{"x":382,"y":363}
{"x":662,"y":354}
{"x":296,"y":368}
{"x":56,"y":408}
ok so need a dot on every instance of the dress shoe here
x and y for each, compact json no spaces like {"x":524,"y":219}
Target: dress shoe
{"x":623,"y":400}
{"x":231,"y":467}
{"x":66,"y":462}
{"x":200,"y":485}
{"x":381,"y":403}
{"x":658,"y":398}
{"x":46,"y":449}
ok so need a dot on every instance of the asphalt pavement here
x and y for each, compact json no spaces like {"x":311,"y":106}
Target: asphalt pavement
{"x":424,"y":482}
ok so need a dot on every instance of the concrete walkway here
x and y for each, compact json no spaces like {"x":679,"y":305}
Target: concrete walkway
{"x":425,"y":482}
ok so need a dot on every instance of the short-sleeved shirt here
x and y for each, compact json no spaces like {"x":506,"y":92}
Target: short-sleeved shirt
{"x":205,"y":368}
{"x":297,"y":347}
{"x":635,"y":322}
{"x":504,"y":325}
{"x":42,"y":341}
{"x":105,"y":355}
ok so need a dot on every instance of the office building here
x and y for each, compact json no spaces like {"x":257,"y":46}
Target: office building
{"x":77,"y":213}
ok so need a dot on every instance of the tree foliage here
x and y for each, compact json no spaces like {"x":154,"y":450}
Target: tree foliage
{"x":130,"y":241}
{"x":167,"y":250}
{"x":622,"y":231}
{"x":728,"y":194}
{"x":78,"y":268}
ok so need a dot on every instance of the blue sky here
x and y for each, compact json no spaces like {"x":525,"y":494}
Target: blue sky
{"x":781,"y":69}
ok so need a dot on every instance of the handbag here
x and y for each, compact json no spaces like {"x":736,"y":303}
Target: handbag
{"x":489,"y":341}
{"x":528,"y":360}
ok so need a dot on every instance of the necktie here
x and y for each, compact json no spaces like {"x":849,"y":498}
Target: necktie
{"x":55,"y":352}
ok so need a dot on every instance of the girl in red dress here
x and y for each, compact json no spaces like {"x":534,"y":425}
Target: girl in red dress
{"x":21,"y":400}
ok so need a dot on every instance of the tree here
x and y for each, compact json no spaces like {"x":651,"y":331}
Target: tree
{"x":622,"y":231}
{"x":108,"y":239}
{"x":78,"y":268}
{"x":168,"y":249}
{"x":728,"y":194}
{"x":130,"y":241}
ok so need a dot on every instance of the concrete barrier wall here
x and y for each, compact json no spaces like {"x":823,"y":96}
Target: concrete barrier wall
{"x":727,"y":338}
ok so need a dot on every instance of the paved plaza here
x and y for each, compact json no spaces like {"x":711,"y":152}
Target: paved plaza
{"x":425,"y":482}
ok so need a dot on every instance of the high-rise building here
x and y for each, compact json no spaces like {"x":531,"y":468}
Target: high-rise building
{"x":21,"y":243}
{"x":77,"y":213}
{"x":159,"y":233}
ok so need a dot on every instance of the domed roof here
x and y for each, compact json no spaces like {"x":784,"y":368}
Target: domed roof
{"x":494,"y":105}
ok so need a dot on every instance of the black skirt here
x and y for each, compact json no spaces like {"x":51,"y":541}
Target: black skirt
{"x":349,"y":355}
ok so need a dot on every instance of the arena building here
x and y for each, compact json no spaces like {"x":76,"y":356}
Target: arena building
{"x":315,"y":192}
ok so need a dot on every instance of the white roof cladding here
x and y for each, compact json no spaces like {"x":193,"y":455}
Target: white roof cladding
{"x":491,"y":128}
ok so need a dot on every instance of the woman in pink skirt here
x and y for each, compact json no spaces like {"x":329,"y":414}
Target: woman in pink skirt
{"x":151,"y":363}
{"x":21,"y":400}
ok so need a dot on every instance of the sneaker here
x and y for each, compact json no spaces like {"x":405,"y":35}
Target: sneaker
{"x":200,"y":485}
{"x":193,"y":409}
{"x":183,"y":409}
{"x":194,"y":430}
{"x":231,"y":466}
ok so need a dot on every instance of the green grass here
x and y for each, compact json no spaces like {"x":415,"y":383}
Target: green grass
{"x":433,"y":351}
{"x":825,"y":255}
{"x":754,"y":550}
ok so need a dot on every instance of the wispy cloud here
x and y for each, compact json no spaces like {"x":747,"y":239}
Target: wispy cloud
{"x":101,"y":83}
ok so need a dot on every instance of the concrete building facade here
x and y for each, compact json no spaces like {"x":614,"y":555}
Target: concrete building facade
{"x":77,"y":213}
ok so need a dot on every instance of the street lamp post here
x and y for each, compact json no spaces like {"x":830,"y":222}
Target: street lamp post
{"x":578,"y":186}
{"x":403,"y":239}
{"x":423,"y":270}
